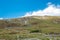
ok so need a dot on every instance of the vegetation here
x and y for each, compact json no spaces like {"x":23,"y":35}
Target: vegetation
{"x":30,"y":27}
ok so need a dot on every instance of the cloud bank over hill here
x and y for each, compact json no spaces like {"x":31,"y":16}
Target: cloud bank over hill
{"x":50,"y":10}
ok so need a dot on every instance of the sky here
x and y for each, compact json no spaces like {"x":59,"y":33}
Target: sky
{"x":19,"y":8}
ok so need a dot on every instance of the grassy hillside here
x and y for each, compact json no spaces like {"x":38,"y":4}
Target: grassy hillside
{"x":46,"y":24}
{"x":30,"y":27}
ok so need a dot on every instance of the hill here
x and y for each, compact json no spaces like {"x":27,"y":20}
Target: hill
{"x":50,"y":23}
{"x":33,"y":24}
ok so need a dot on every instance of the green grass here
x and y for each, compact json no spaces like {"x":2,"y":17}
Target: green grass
{"x":51,"y":24}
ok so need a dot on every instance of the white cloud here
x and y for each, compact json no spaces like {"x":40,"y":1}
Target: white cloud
{"x":28,"y":14}
{"x":51,"y":10}
{"x":1,"y":18}
{"x":49,"y":3}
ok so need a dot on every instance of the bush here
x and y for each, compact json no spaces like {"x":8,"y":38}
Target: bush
{"x":35,"y":31}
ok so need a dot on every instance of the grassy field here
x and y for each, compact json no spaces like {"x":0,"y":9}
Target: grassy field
{"x":30,"y":27}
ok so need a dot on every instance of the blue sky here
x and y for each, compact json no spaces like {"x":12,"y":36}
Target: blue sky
{"x":18,"y":8}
